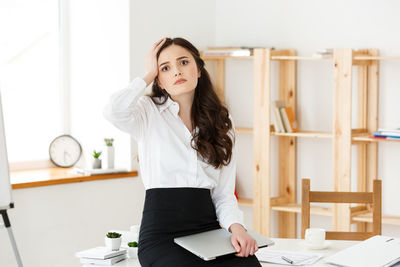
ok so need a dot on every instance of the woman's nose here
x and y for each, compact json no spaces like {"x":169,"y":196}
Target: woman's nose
{"x":177,"y":71}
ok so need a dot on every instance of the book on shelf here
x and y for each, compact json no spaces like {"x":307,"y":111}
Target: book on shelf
{"x":100,"y":253}
{"x":228,"y":52}
{"x":323,"y":53}
{"x":232,"y":51}
{"x":388,"y":135}
{"x":289,"y":119}
{"x":283,"y":118}
{"x":229,"y":47}
{"x":388,"y":132}
{"x":276,"y":116}
{"x":106,"y":262}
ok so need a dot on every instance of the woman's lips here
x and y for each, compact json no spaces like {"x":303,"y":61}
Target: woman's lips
{"x":180,"y":81}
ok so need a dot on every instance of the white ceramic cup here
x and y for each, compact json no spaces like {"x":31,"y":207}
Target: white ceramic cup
{"x":315,"y":237}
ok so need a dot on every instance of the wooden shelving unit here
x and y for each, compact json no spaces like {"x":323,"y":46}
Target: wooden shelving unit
{"x":343,"y":136}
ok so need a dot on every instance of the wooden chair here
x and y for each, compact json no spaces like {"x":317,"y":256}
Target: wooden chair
{"x":373,"y":198}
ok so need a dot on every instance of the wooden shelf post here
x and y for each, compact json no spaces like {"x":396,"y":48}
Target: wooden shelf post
{"x":343,"y":61}
{"x":367,"y":153}
{"x":261,"y":140}
{"x":220,"y":79}
{"x":287,"y":147}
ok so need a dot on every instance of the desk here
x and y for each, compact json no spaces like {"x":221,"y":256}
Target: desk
{"x":280,"y":244}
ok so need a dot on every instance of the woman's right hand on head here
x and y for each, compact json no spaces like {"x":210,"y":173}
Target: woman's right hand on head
{"x":151,"y":62}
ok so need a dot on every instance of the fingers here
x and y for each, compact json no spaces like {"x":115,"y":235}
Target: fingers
{"x":247,"y":247}
{"x":158,"y":44}
{"x":236,"y":245}
{"x":151,"y":58}
{"x":243,"y":248}
{"x":253,"y":247}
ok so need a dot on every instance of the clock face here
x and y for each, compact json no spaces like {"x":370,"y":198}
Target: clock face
{"x":65,"y":151}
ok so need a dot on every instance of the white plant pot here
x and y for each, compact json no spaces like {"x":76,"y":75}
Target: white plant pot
{"x":132,"y":252}
{"x":96,"y":164}
{"x":113,"y":243}
{"x":110,"y":157}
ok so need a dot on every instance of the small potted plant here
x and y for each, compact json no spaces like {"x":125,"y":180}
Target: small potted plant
{"x":132,"y":249}
{"x":113,"y":240}
{"x":110,"y":152}
{"x":96,"y":160}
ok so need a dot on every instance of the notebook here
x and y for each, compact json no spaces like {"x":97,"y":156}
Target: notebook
{"x":211,"y":244}
{"x":100,"y":253}
{"x":297,"y":258}
{"x":105,"y":262}
{"x":375,"y":251}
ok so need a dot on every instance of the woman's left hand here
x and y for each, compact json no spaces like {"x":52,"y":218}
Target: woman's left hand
{"x":244,"y":244}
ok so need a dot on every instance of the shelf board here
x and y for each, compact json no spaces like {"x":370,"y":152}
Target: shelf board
{"x":296,"y":134}
{"x":367,"y":217}
{"x":296,"y":208}
{"x":305,"y":134}
{"x":366,"y":137}
{"x":357,"y":137}
{"x":300,"y":58}
{"x":245,"y":202}
{"x":226,"y":57}
{"x":376,"y":58}
{"x":243,"y":130}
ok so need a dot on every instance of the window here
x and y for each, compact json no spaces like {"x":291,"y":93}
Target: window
{"x":57,"y":77}
{"x":30,"y":77}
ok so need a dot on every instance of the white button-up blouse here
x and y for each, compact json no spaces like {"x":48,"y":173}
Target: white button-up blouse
{"x":166,"y":158}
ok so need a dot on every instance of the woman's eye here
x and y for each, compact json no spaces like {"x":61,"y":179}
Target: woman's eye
{"x":164,"y":68}
{"x":184,"y":62}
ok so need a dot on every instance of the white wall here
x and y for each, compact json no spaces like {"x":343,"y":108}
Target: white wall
{"x":51,"y":223}
{"x":307,"y":26}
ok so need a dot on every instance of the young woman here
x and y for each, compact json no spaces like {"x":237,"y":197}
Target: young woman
{"x":187,"y":157}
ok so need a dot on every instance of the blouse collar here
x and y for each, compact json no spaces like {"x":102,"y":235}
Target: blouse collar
{"x":172,"y":105}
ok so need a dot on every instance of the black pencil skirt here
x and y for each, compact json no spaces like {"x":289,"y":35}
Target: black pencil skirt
{"x":174,"y":212}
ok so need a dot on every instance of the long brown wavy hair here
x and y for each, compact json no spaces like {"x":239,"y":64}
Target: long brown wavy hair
{"x":212,"y":141}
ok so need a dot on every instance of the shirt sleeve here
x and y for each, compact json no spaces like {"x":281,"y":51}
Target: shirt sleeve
{"x":126,"y":109}
{"x":223,"y":196}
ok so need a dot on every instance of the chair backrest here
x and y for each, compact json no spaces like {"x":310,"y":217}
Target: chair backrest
{"x":373,"y":198}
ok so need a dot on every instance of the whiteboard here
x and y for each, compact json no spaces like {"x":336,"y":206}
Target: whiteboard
{"x":5,"y":186}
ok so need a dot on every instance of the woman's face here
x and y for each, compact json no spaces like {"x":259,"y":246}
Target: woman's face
{"x":177,"y":71}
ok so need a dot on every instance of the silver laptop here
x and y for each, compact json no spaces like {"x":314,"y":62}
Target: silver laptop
{"x":211,"y":244}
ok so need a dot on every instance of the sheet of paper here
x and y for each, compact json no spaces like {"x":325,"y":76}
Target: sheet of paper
{"x":298,"y":258}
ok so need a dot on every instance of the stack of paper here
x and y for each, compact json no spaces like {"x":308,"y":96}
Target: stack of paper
{"x":297,"y":258}
{"x":323,"y":53}
{"x":101,"y":256}
{"x":96,"y":171}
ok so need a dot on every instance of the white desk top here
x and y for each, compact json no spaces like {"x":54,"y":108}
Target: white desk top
{"x":280,"y":244}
